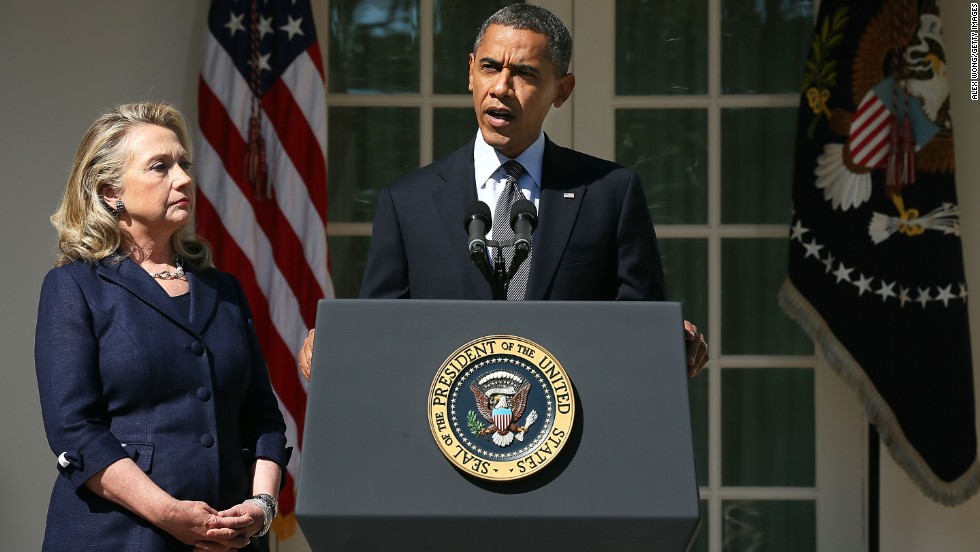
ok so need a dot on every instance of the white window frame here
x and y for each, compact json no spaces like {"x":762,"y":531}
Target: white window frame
{"x":586,"y":123}
{"x":841,"y":428}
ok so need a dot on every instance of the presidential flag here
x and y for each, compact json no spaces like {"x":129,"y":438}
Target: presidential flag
{"x":876,"y":265}
{"x":262,"y":200}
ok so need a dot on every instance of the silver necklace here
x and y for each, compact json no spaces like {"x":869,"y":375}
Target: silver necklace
{"x":177,"y":274}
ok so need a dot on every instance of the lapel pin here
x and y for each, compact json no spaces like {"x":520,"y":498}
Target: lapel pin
{"x":569,"y":195}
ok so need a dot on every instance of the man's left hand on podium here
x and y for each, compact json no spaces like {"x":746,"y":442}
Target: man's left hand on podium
{"x":697,"y":349}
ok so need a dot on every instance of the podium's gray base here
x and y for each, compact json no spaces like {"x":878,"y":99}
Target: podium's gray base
{"x":373,"y":478}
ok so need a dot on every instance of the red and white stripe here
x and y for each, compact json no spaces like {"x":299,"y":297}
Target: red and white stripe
{"x":502,"y":419}
{"x":276,"y":247}
{"x":870,"y":131}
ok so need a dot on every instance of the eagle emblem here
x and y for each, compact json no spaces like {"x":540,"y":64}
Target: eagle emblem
{"x":902,"y":123}
{"x":501,"y":408}
{"x":501,"y":398}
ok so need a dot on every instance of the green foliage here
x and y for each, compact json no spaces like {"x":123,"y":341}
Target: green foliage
{"x":474,"y":424}
{"x":820,"y":71}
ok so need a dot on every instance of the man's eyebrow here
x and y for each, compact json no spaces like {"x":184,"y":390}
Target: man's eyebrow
{"x":525,"y":68}
{"x":517,"y":67}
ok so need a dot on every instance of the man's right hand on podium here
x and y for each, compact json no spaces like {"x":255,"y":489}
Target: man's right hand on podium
{"x":305,"y":356}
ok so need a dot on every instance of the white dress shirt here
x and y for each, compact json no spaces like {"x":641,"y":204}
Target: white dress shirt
{"x":490,"y":177}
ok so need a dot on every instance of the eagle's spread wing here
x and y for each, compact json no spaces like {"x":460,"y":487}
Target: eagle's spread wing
{"x":520,"y":401}
{"x":482,"y":403}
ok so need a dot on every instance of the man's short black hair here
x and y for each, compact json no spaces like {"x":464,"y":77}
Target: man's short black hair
{"x":539,"y":20}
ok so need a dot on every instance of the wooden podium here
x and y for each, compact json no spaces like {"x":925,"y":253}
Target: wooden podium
{"x":373,"y":477}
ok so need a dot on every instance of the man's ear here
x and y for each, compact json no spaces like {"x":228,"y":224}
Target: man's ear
{"x":566,"y":83}
{"x":470,"y":85}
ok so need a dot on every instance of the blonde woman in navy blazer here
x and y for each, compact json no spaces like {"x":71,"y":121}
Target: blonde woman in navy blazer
{"x":155,"y":396}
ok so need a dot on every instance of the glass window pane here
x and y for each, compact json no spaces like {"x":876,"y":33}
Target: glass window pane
{"x":752,"y":322}
{"x":374,"y":46}
{"x":767,"y":427}
{"x":686,"y":273}
{"x":369,"y":148}
{"x":757,"y":165}
{"x":702,"y":538}
{"x":669,"y":149}
{"x":769,"y":525}
{"x":451,"y":128}
{"x":698,"y":392}
{"x":455,"y":26}
{"x":763,"y":45}
{"x":661,"y":47}
{"x":348,"y":257}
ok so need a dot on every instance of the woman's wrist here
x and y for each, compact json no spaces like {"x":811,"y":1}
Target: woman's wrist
{"x":269,"y":506}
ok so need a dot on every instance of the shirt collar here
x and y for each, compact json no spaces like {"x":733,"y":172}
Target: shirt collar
{"x":486,"y":160}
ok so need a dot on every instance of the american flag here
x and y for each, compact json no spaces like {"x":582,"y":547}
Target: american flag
{"x":263,"y":185}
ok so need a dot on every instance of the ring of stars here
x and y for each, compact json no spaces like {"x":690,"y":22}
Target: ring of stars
{"x":863,"y":283}
{"x":546,"y":420}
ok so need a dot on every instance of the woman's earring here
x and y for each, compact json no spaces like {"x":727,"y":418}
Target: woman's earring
{"x":114,"y":211}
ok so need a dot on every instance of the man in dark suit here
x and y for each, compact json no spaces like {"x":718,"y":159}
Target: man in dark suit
{"x":594,"y":240}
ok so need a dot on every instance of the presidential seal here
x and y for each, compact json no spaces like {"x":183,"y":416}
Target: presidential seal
{"x":501,"y":408}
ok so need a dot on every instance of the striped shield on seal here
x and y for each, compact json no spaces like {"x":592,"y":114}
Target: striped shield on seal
{"x":501,"y":418}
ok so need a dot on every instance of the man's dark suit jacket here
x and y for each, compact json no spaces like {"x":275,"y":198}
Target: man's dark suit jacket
{"x":123,"y":372}
{"x":594,"y":239}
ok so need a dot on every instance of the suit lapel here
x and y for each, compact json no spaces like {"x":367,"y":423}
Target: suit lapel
{"x":131,"y":277}
{"x":561,"y":197}
{"x":204,"y":298}
{"x":451,"y":198}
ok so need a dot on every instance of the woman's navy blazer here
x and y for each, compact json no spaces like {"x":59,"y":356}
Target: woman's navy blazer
{"x":122,"y":371}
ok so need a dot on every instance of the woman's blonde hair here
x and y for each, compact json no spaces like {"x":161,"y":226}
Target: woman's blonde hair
{"x":87,"y":230}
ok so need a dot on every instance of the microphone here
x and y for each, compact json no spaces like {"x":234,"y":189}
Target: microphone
{"x":524,"y":220}
{"x":477,"y":224}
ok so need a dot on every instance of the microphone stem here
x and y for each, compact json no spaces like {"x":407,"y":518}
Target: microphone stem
{"x":500,"y":279}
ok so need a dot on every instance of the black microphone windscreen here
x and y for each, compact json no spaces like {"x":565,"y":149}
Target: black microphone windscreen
{"x":524,"y":209}
{"x":477,"y":210}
